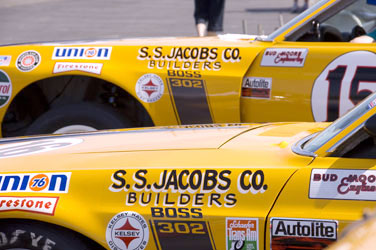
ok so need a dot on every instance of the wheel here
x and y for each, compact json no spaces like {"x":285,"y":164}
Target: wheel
{"x":31,"y":235}
{"x":80,"y":117}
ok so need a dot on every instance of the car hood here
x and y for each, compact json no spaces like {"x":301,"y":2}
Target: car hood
{"x":127,"y":145}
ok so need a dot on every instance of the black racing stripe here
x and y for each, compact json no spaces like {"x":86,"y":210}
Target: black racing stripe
{"x":190,"y":98}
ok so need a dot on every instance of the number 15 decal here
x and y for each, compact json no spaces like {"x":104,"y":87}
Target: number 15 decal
{"x":344,"y":82}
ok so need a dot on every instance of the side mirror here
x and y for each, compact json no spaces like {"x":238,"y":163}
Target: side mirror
{"x":371,"y":2}
{"x":370,"y":126}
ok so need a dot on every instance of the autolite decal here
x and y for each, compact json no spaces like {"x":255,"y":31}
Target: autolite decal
{"x":91,"y":53}
{"x":343,"y":184}
{"x":43,"y":205}
{"x":288,"y":233}
{"x":40,"y":183}
{"x":187,"y":187}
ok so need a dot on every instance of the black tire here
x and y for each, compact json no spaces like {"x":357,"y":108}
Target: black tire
{"x":33,"y":235}
{"x":97,"y":116}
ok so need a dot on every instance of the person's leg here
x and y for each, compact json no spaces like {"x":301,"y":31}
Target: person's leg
{"x":201,"y":16}
{"x":305,"y":6}
{"x":216,"y":13}
{"x":295,"y":7}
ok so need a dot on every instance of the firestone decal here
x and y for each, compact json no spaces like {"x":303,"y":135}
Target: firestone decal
{"x":149,"y":88}
{"x":88,"y":53}
{"x":43,"y":205}
{"x":94,"y":68}
{"x":343,"y":184}
{"x":188,"y":58}
{"x":5,"y":88}
{"x":28,"y":61}
{"x":5,"y":60}
{"x":242,"y":233}
{"x":34,"y":147}
{"x":257,"y":87}
{"x":127,"y":230}
{"x":35,"y":183}
{"x":284,"y":57}
{"x":185,"y":187}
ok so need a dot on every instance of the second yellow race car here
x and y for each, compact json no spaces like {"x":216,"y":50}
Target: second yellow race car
{"x":305,"y":71}
{"x":254,"y":186}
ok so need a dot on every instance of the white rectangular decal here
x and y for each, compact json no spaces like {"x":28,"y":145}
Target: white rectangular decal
{"x":91,"y":53}
{"x":284,"y":57}
{"x":257,"y":87}
{"x":5,"y":60}
{"x":242,"y":233}
{"x":94,"y":68}
{"x":343,"y":184}
{"x":44,"y":205}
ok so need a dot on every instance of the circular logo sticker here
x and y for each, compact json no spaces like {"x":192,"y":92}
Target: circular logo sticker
{"x":5,"y":88}
{"x":28,"y":60}
{"x":150,"y":88}
{"x":127,"y":230}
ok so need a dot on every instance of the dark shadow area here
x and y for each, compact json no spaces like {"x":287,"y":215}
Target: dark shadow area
{"x":268,"y":10}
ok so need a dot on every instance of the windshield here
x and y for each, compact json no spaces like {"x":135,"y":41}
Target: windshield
{"x":295,"y":20}
{"x":341,"y":123}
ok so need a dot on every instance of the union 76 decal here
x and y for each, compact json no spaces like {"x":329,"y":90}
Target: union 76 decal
{"x":344,"y":82}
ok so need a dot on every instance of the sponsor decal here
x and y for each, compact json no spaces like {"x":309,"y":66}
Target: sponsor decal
{"x":28,"y":61}
{"x":172,"y":212}
{"x":5,"y":89}
{"x":257,"y":87}
{"x":33,"y":147}
{"x":289,"y":233}
{"x":185,"y":234}
{"x":127,"y":230}
{"x":149,"y":88}
{"x":242,"y":233}
{"x":91,"y":53}
{"x":5,"y":60}
{"x":35,"y":182}
{"x":284,"y":57}
{"x":94,"y":68}
{"x":343,"y":184}
{"x":187,"y":187}
{"x":188,"y":58}
{"x":342,"y":84}
{"x":372,"y":104}
{"x":43,"y":205}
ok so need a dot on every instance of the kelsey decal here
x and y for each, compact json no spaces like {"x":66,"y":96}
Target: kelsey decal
{"x":343,"y":184}
{"x":150,"y":88}
{"x":34,"y":147}
{"x":28,"y":61}
{"x":5,"y":60}
{"x":42,"y":205}
{"x":188,"y":58}
{"x":127,"y":230}
{"x":257,"y":87}
{"x":242,"y":234}
{"x":284,"y":57}
{"x":87,"y":53}
{"x":287,"y":233}
{"x":93,"y":68}
{"x":181,"y":188}
{"x":5,"y":89}
{"x":35,"y":183}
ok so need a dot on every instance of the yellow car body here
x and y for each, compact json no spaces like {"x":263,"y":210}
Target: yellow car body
{"x":304,"y":71}
{"x":231,"y":186}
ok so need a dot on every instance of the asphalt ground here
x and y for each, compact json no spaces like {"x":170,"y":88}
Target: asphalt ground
{"x":52,"y":20}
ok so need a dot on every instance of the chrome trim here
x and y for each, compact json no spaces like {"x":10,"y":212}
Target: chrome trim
{"x":334,"y":147}
{"x":298,"y":147}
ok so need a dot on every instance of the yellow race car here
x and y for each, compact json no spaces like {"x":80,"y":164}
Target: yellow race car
{"x":305,"y":71}
{"x":252,"y":186}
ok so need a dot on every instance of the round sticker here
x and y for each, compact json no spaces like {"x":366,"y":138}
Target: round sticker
{"x":5,"y":88}
{"x":36,"y":146}
{"x":127,"y":230}
{"x":344,"y":83}
{"x":28,"y":61}
{"x":150,"y":88}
